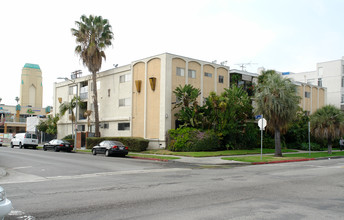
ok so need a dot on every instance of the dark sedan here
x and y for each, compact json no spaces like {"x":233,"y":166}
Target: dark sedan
{"x":110,"y":148}
{"x":58,"y":145}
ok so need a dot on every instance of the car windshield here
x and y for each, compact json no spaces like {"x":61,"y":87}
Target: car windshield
{"x":65,"y":142}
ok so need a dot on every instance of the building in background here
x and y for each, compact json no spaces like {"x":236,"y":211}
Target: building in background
{"x":31,"y":87}
{"x":329,"y":74}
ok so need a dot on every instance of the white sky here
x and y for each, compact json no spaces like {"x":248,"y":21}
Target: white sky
{"x":285,"y":35}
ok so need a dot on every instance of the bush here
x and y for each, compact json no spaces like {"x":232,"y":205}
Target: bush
{"x":314,"y":147}
{"x":69,"y":140}
{"x":68,"y":137}
{"x":192,"y":140}
{"x":134,"y":144}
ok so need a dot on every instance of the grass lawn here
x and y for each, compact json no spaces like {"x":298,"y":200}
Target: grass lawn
{"x":270,"y":158}
{"x":214,"y":153}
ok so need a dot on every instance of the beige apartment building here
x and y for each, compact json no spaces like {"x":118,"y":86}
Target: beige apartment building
{"x":137,"y":99}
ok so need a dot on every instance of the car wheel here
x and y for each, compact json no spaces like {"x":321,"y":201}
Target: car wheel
{"x":12,"y":146}
{"x":44,"y":148}
{"x":20,"y":145}
{"x":107,"y":153}
{"x":55,"y":149}
{"x":94,"y":152}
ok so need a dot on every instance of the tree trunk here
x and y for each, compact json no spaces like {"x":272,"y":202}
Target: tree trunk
{"x":95,"y":103}
{"x":329,"y":146}
{"x":278,"y":150}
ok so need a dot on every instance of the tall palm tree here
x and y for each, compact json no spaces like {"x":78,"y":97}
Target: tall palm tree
{"x":70,"y":106}
{"x":276,"y":98}
{"x":328,"y":122}
{"x":93,"y":35}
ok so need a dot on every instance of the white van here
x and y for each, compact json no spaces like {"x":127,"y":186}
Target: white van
{"x":24,"y":140}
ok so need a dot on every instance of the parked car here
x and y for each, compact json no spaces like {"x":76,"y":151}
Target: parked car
{"x":110,"y":148}
{"x":5,"y":204}
{"x":58,"y":145}
{"x":1,"y":141}
{"x":24,"y":140}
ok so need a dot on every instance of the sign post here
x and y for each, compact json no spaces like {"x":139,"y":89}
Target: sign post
{"x":262,"y":125}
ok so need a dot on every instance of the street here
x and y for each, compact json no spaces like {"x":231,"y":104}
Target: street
{"x":58,"y":185}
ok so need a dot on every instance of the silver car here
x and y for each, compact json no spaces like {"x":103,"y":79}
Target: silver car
{"x":5,"y":204}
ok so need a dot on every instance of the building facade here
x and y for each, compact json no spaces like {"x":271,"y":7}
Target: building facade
{"x":137,"y":100}
{"x":31,"y":87}
{"x":328,"y":74}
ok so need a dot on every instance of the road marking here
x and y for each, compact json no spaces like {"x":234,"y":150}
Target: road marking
{"x":18,"y":168}
{"x":27,"y":178}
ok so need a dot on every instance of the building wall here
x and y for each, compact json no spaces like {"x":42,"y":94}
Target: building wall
{"x":331,"y":74}
{"x":138,"y":100}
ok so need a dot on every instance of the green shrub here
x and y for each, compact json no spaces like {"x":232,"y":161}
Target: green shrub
{"x":191,"y":140}
{"x":69,"y":140}
{"x":68,"y":137}
{"x":134,"y":144}
{"x":314,"y":147}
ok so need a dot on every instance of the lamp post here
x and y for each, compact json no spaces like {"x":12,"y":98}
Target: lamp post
{"x":76,"y":108}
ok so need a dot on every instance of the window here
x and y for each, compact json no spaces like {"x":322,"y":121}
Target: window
{"x":123,"y":126}
{"x":125,"y":78}
{"x":124,"y":102}
{"x":192,"y":74}
{"x":221,"y":79}
{"x":72,"y":90}
{"x":106,"y":125}
{"x":81,"y":127}
{"x":109,"y":92}
{"x":180,"y":71}
{"x":208,"y":74}
{"x":307,"y":94}
{"x":342,"y":99}
{"x":320,"y":82}
{"x":342,"y":81}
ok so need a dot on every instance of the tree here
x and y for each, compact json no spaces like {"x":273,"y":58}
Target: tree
{"x":190,"y":113}
{"x":49,"y":125}
{"x":93,"y":35}
{"x":328,"y":123}
{"x":88,"y":115}
{"x":69,"y":106}
{"x":276,"y":98}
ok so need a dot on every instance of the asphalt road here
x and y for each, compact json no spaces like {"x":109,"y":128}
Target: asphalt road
{"x":57,"y":185}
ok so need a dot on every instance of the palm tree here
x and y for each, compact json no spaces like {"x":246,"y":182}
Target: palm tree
{"x":93,"y":35}
{"x":186,"y":95}
{"x":69,"y":106}
{"x":328,"y":122}
{"x":88,"y":115}
{"x":276,"y":98}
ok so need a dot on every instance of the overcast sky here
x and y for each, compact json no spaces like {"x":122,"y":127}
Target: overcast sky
{"x":285,"y":35}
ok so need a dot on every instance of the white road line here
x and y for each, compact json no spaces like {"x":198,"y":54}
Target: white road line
{"x":18,"y":168}
{"x":24,"y":178}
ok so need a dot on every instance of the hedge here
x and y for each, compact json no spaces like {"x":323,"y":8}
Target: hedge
{"x":192,"y":140}
{"x":134,"y":144}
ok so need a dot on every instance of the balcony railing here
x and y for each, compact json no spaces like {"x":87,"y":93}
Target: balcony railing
{"x":84,"y":95}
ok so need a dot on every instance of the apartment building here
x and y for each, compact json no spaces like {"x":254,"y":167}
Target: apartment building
{"x":137,"y":99}
{"x":330,"y":75}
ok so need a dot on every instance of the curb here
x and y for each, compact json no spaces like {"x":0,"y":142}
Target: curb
{"x":282,"y":161}
{"x":147,"y":158}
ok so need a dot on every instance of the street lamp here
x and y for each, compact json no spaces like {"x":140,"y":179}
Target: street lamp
{"x":76,"y":108}
{"x":17,"y":99}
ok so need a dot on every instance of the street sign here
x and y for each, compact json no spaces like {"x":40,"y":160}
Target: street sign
{"x":262,"y":123}
{"x":258,"y":116}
